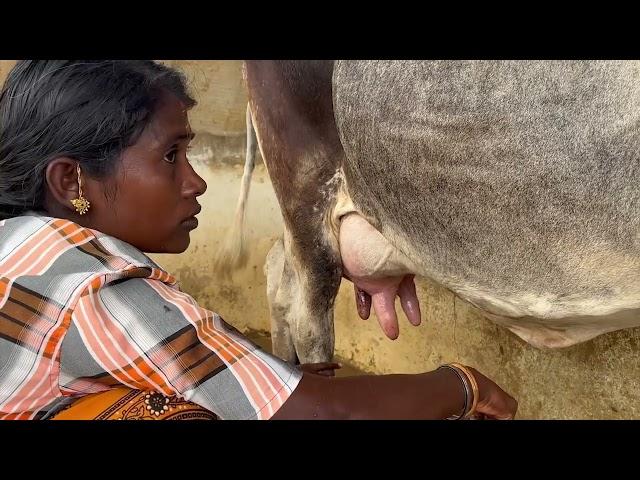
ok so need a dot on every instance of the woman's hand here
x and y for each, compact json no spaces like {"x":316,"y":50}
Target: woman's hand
{"x":325,"y":368}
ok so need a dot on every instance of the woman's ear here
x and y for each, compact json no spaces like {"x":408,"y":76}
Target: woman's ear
{"x":62,"y":181}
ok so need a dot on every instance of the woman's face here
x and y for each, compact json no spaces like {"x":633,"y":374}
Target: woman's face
{"x":151,"y":200}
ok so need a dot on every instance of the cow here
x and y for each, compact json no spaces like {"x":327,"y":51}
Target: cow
{"x":512,"y":183}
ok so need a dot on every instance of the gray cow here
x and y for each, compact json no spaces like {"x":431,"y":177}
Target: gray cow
{"x":512,"y":183}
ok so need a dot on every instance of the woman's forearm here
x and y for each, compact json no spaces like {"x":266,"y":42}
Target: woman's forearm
{"x":433,"y":395}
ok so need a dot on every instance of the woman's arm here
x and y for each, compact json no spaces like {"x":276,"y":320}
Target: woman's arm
{"x":434,"y":395}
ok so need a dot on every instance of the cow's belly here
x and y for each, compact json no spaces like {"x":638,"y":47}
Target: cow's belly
{"x":544,"y":321}
{"x":510,"y":183}
{"x":564,"y":332}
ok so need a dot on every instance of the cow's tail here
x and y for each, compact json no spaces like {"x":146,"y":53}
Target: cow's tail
{"x":233,"y":254}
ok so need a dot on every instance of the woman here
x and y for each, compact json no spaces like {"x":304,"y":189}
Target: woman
{"x":94,"y":172}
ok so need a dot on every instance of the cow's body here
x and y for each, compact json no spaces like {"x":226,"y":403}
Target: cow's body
{"x":514,"y":184}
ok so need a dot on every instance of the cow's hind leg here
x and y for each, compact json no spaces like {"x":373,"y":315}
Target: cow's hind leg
{"x":278,"y":295}
{"x":301,"y":295}
{"x":316,"y":282}
{"x":292,"y":109}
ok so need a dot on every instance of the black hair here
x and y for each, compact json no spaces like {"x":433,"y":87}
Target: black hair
{"x":87,"y":110}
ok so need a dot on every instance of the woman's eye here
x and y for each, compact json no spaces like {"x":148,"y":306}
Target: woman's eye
{"x":171,"y":156}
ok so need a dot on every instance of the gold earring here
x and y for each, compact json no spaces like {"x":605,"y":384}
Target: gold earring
{"x":82,"y":204}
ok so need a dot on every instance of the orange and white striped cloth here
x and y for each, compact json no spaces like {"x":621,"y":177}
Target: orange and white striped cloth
{"x":82,"y":312}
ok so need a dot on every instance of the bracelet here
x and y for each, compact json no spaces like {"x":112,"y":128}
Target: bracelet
{"x":466,"y":387}
{"x":474,"y":386}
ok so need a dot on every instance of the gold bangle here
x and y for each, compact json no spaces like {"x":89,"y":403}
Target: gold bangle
{"x":474,"y":386}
